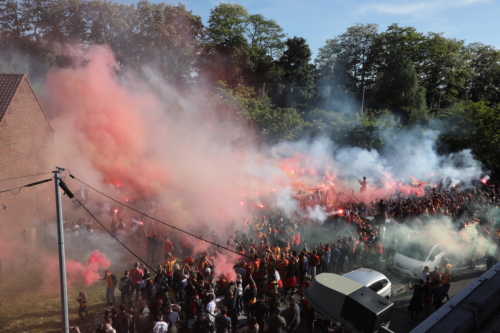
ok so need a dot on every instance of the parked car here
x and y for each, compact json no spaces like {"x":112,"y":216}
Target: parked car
{"x":413,"y":256}
{"x":372,"y":279}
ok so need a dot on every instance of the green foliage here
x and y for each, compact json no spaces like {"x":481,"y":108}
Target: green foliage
{"x":474,"y":125}
{"x":296,"y":86}
{"x":273,"y":124}
{"x":227,"y":25}
{"x":397,"y":88}
{"x":484,"y":72}
{"x":402,"y":76}
{"x":346,"y":62}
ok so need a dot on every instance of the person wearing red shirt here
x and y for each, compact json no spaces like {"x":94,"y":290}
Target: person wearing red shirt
{"x":135,"y":280}
{"x":168,"y":246}
{"x":313,"y":262}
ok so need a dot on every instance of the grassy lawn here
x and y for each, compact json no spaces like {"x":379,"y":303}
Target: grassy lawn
{"x":26,"y":305}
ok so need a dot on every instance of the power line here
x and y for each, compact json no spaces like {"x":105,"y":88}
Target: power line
{"x":176,"y":228}
{"x":36,"y":174}
{"x":168,"y":225}
{"x":27,"y":185}
{"x":139,"y":258}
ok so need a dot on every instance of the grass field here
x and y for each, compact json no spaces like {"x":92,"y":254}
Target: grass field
{"x":27,"y":305}
{"x":30,"y":304}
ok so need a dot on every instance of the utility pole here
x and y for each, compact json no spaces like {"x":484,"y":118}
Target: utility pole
{"x":328,"y":99}
{"x":363,"y":101}
{"x":62,"y":257}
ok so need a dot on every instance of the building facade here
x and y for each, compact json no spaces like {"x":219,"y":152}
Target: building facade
{"x":26,"y":149}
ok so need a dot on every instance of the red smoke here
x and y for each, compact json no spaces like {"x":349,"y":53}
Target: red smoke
{"x":76,"y":271}
{"x":96,"y":261}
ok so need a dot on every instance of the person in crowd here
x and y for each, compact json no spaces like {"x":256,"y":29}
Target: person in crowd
{"x":445,"y":282}
{"x":250,"y":297}
{"x":427,"y":297}
{"x":123,"y":321}
{"x":211,"y":309}
{"x":151,"y":246}
{"x":261,"y":312}
{"x":111,"y":283}
{"x":435,"y":275}
{"x":303,"y":266}
{"x":168,"y":246}
{"x":106,"y":327}
{"x":335,"y":259}
{"x":416,"y":306}
{"x":136,"y":275}
{"x":363,"y":184}
{"x":425,"y":273}
{"x":202,"y":324}
{"x":82,"y":301}
{"x":160,"y":326}
{"x":293,"y":316}
{"x":437,"y":294}
{"x":124,"y":287}
{"x":313,"y":262}
{"x":291,"y":277}
{"x":252,"y":327}
{"x":223,"y":322}
{"x":276,"y":323}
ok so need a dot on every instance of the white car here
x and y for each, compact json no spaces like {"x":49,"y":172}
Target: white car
{"x":413,"y":256}
{"x":374,"y":280}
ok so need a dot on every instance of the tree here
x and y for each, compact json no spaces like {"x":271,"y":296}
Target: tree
{"x":265,"y":44}
{"x":397,"y":88}
{"x":473,"y":125}
{"x":484,"y":79}
{"x":75,"y":26}
{"x":398,"y":43}
{"x":345,"y":62}
{"x":265,"y":35}
{"x":11,"y":28}
{"x":170,"y":38}
{"x":227,"y":25}
{"x":296,"y":86}
{"x":443,"y":72}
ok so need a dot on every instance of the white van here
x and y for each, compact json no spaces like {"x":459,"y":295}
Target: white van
{"x":374,"y":280}
{"x":413,"y":256}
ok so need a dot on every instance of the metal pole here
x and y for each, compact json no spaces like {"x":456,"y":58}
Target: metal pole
{"x":62,"y":257}
{"x":439,"y":103}
{"x":328,"y":100}
{"x":363,"y":101}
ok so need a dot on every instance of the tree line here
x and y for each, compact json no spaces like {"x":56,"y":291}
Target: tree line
{"x":361,"y":81}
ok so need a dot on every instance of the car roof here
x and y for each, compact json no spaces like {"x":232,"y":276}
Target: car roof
{"x":425,"y":240}
{"x":365,"y":276}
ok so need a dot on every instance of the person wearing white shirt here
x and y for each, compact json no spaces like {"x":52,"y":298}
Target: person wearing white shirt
{"x":160,"y":326}
{"x":211,"y":309}
{"x":425,"y":273}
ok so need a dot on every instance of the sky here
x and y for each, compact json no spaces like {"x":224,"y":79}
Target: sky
{"x":319,"y":20}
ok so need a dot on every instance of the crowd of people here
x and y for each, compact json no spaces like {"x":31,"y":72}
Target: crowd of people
{"x":272,"y":263}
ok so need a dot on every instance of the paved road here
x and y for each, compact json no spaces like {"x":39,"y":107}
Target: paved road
{"x":400,"y":322}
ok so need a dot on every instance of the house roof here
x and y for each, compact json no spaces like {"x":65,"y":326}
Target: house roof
{"x":9,"y":83}
{"x":9,"y":86}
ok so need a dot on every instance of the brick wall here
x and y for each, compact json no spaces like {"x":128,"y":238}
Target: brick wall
{"x":26,"y":147}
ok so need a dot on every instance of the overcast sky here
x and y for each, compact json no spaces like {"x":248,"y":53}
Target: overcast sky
{"x":317,"y":20}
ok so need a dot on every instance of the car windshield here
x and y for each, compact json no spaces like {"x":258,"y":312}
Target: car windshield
{"x":415,"y":251}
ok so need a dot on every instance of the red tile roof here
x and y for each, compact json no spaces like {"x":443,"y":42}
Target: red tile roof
{"x":9,"y":83}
